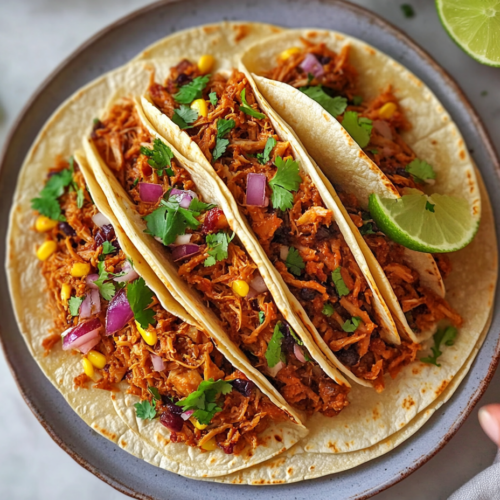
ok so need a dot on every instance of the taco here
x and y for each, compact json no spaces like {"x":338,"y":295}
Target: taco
{"x":298,"y":225}
{"x":392,"y":127}
{"x":186,"y":230}
{"x":134,"y":338}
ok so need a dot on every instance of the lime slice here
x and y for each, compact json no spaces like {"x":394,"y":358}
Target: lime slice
{"x":475,"y":26}
{"x":434,"y":224}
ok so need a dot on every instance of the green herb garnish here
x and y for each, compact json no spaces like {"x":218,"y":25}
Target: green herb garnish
{"x":107,"y":248}
{"x":145,"y":410}
{"x":328,"y":309}
{"x":294,"y":261}
{"x":444,"y":336}
{"x":107,"y":290}
{"x":351,"y":325}
{"x":408,"y":11}
{"x":213,"y":98}
{"x":357,"y":100}
{"x":154,"y":392}
{"x":74,"y":304}
{"x":359,"y":128}
{"x":192,"y":90}
{"x":262,"y":317}
{"x":263,"y":158}
{"x":420,"y":170}
{"x":140,"y":297}
{"x":286,"y":180}
{"x":159,"y":157}
{"x":223,"y":127}
{"x":273,"y":351}
{"x":339,"y":283}
{"x":247,"y":109}
{"x":217,"y":248}
{"x":184,"y":116}
{"x":334,"y":105}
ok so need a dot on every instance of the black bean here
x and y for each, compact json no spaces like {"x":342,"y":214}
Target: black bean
{"x":66,"y":229}
{"x":244,"y":387}
{"x":348,"y":357}
{"x":324,"y":59}
{"x":307,"y":294}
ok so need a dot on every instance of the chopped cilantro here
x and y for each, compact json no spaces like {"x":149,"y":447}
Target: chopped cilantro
{"x":198,"y":206}
{"x":159,"y":157}
{"x":297,"y":340}
{"x":340,"y":285}
{"x":263,"y":158}
{"x":80,"y":198}
{"x":262,"y":317}
{"x":203,"y":400}
{"x":217,"y":247}
{"x":74,"y":304}
{"x":310,"y":78}
{"x":145,"y":410}
{"x":429,"y":206}
{"x":47,"y":203}
{"x":273,"y":351}
{"x":357,"y":100}
{"x":286,"y":180}
{"x":420,"y":170}
{"x":213,"y":98}
{"x":294,"y":261}
{"x":373,"y":151}
{"x":366,"y":228}
{"x":247,"y":109}
{"x":351,"y":325}
{"x":184,"y":116}
{"x":154,"y":392}
{"x":223,"y":127}
{"x":359,"y":128}
{"x":334,"y":105}
{"x":328,"y":309}
{"x":408,"y":11}
{"x":192,"y":90}
{"x":444,"y":336}
{"x":107,"y":290}
{"x":108,"y":248}
{"x":136,"y":181}
{"x":140,"y":297}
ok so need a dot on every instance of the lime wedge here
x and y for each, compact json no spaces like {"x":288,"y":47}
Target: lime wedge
{"x":434,"y":224}
{"x":475,"y":26}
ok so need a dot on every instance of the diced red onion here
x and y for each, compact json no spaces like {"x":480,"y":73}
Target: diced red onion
{"x":185,"y":197}
{"x":85,"y":307}
{"x":187,"y":415}
{"x":252,"y":293}
{"x":311,"y":65}
{"x":299,"y":354}
{"x":183,"y":251}
{"x":90,"y":281}
{"x":284,"y":252}
{"x":118,"y":313}
{"x":256,"y":190}
{"x":85,"y":348}
{"x":183,"y":239}
{"x":258,"y":284}
{"x":81,"y":334}
{"x":383,"y":128}
{"x":158,"y":364}
{"x":388,"y":151}
{"x":130,"y":274}
{"x":100,"y":219}
{"x":150,"y":193}
{"x":275,"y":369}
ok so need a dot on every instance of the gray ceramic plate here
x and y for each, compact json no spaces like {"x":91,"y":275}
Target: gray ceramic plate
{"x":115,"y":46}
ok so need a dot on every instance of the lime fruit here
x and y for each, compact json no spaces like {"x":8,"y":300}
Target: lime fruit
{"x":475,"y":26}
{"x":434,"y":224}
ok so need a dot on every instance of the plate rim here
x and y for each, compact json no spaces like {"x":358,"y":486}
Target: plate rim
{"x":356,"y":10}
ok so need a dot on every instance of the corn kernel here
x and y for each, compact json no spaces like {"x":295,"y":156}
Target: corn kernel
{"x":387,"y":110}
{"x":210,"y":445}
{"x":88,"y":368}
{"x":149,"y":337}
{"x":97,"y":359}
{"x":240,"y":287}
{"x":197,"y":424}
{"x":65,"y":292}
{"x":80,"y":269}
{"x":289,"y":53}
{"x":200,"y":105}
{"x":44,"y":224}
{"x":46,"y":249}
{"x":205,"y":63}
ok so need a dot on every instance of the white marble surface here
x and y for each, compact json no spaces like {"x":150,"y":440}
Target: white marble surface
{"x":35,"y":35}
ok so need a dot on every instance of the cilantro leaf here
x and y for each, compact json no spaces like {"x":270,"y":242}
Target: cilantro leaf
{"x":429,"y":206}
{"x":273,"y":351}
{"x":359,"y":128}
{"x":220,"y":148}
{"x":154,"y":392}
{"x":357,"y":100}
{"x":420,"y":170}
{"x":367,"y":228}
{"x":262,"y":317}
{"x":80,"y":198}
{"x":263,"y":158}
{"x":287,"y":179}
{"x":334,"y":105}
{"x":247,"y":109}
{"x":340,"y":285}
{"x":184,"y":116}
{"x":198,"y":206}
{"x":351,"y":325}
{"x":294,"y":261}
{"x":140,"y":297}
{"x":49,"y":207}
{"x":444,"y":336}
{"x":223,"y":127}
{"x":146,"y":410}
{"x":74,"y":304}
{"x":213,"y":98}
{"x":108,"y":248}
{"x":203,"y":399}
{"x":328,"y":309}
{"x":217,"y":247}
{"x":107,"y":290}
{"x":192,"y":90}
{"x":297,"y":340}
{"x":159,"y":157}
